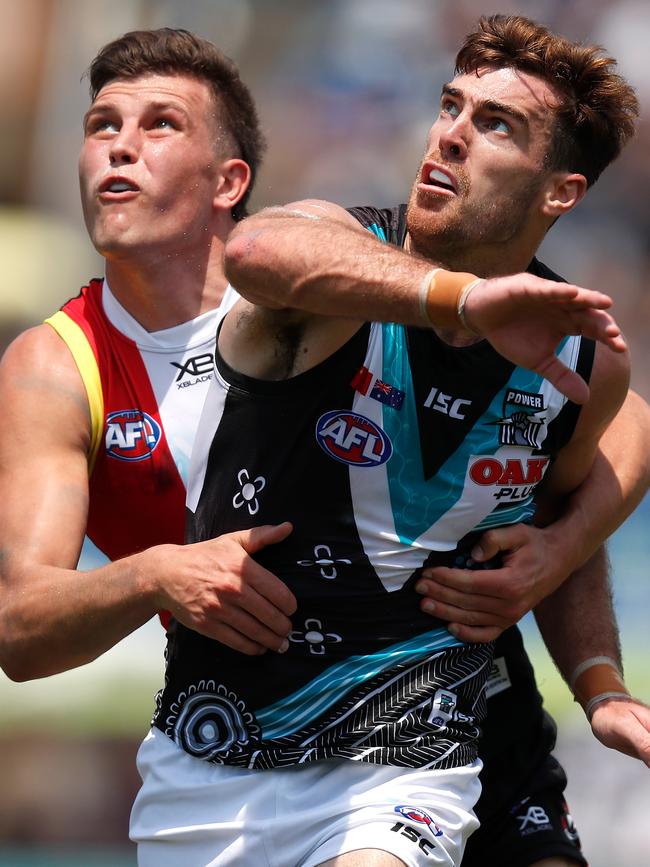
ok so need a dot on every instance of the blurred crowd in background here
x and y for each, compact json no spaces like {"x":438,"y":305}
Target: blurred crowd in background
{"x":346,"y":91}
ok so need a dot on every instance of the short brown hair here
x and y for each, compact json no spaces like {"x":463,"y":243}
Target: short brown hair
{"x":598,"y":108}
{"x":168,"y":51}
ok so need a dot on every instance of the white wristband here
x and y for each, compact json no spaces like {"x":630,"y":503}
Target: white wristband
{"x":589,"y":663}
{"x":464,"y":295}
{"x":424,"y":294}
{"x":597,"y":699}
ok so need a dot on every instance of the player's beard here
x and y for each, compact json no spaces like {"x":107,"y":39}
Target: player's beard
{"x":455,"y":231}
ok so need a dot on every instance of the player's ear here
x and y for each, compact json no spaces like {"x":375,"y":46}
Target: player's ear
{"x":232,"y":183}
{"x":562,"y":192}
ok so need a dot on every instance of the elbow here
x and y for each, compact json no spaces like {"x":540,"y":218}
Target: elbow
{"x":16,"y":661}
{"x":20,"y":667}
{"x":258,"y":262}
{"x":238,"y":257}
{"x":15,"y":666}
{"x":245,"y":262}
{"x":17,"y":675}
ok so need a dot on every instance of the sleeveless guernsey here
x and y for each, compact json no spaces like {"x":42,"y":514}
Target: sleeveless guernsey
{"x":392,"y":454}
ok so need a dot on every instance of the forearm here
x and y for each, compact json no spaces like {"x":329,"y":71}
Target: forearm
{"x":577,"y":621}
{"x":320,"y":261}
{"x":54,"y":619}
{"x":579,"y":627}
{"x":615,"y":486}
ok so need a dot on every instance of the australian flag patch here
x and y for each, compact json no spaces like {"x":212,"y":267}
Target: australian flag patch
{"x":365,"y":382}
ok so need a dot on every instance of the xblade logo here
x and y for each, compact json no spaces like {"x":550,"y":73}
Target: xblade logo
{"x":199,"y":365}
{"x":533,"y":820}
{"x":352,"y":439}
{"x":131,"y":435}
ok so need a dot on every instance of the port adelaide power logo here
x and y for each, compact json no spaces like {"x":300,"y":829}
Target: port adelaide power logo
{"x":352,"y":439}
{"x":521,"y":424}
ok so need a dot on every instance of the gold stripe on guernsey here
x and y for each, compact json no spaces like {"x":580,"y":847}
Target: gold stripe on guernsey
{"x":84,"y":357}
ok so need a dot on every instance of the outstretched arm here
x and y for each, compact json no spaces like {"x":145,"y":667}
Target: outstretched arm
{"x":53,"y":617}
{"x":314,"y":256}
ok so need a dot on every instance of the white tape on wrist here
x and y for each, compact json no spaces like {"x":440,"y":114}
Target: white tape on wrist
{"x":423,"y":294}
{"x":464,"y":295}
{"x":589,"y":663}
{"x":597,"y":699}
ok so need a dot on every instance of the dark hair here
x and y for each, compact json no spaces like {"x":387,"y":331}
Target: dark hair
{"x":168,"y":51}
{"x":598,"y":108}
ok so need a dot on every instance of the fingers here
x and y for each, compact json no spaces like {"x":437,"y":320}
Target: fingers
{"x":568,"y":382}
{"x":493,"y":542}
{"x":244,"y":633}
{"x":475,"y":634}
{"x":478,"y":614}
{"x":265,"y":583}
{"x":255,"y":539}
{"x":270,"y":588}
{"x":219,"y":590}
{"x":597,"y":324}
{"x":268,"y":599}
{"x":484,"y":583}
{"x":624,"y":726}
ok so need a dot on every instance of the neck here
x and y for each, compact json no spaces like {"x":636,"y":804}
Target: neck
{"x":161,"y":289}
{"x":494,"y":260}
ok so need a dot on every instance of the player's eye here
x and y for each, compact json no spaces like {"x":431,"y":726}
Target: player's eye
{"x":101,"y":124}
{"x":497,"y":124}
{"x":448,"y":106}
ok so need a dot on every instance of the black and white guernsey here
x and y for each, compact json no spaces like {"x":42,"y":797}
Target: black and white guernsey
{"x":392,"y":454}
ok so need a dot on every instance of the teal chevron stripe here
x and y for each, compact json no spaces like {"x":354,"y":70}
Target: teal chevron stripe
{"x":378,"y":231}
{"x":294,"y":711}
{"x":521,"y":513}
{"x":418,"y":503}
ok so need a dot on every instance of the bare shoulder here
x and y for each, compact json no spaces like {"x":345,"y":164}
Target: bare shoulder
{"x":304,"y":210}
{"x":39,"y":379}
{"x":321,"y":209}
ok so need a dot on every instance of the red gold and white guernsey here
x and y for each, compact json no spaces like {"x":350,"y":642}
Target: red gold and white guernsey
{"x":145,"y":394}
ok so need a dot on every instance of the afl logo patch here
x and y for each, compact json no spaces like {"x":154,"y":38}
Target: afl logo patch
{"x":352,"y":439}
{"x":415,"y":814}
{"x":131,"y":435}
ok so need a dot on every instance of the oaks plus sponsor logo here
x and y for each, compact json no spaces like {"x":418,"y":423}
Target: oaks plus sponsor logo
{"x":353,"y":439}
{"x":131,"y":434}
{"x":514,"y":480}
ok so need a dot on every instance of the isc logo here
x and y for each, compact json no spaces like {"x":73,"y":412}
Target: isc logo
{"x":131,"y":435}
{"x":352,"y":439}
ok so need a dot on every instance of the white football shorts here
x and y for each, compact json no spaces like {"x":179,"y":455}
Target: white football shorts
{"x":191,"y":813}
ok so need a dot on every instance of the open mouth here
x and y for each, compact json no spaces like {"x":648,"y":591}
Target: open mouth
{"x":117,"y":186}
{"x":435,"y":177}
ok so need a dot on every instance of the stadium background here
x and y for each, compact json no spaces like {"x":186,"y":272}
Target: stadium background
{"x":346,"y":91}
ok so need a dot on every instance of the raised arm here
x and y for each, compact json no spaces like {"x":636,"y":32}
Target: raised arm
{"x":53,"y":617}
{"x":313,"y":256}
